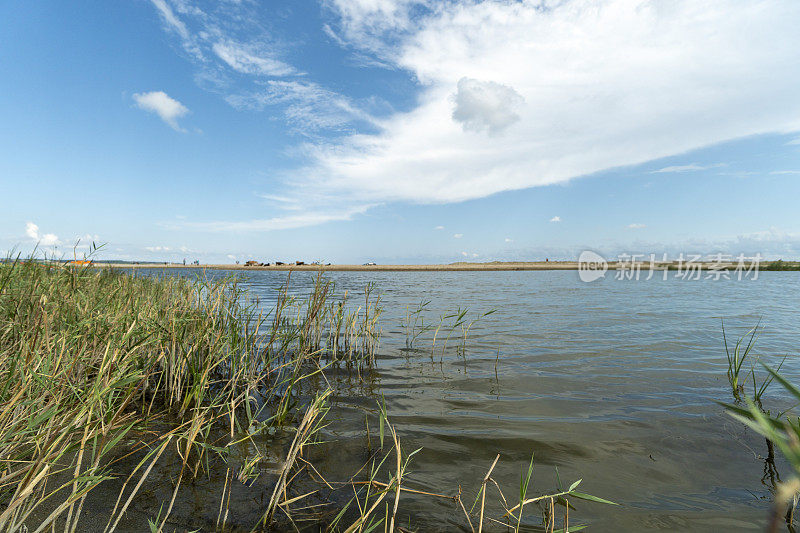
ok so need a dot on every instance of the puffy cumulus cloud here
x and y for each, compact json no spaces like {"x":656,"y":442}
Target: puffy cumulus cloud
{"x":44,"y":239}
{"x":160,"y":103}
{"x":485,"y":105}
{"x":555,"y":219}
{"x":636,"y":225}
{"x":601,"y":84}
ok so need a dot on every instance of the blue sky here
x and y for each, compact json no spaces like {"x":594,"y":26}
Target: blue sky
{"x":400,"y":130}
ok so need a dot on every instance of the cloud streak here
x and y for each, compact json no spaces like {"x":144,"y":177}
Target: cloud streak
{"x":310,"y":218}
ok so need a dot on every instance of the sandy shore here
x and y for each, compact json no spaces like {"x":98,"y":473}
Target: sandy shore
{"x":452,"y":267}
{"x":551,"y":265}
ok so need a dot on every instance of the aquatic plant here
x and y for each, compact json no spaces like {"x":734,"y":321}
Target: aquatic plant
{"x":783,"y":430}
{"x":106,"y":378}
{"x":737,"y":358}
{"x":773,"y":428}
{"x":90,"y":359}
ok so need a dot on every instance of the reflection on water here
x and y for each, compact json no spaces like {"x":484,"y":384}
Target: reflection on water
{"x":613,"y":382}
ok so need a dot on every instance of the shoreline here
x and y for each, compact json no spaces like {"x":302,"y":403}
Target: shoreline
{"x":566,"y":265}
{"x":452,"y":267}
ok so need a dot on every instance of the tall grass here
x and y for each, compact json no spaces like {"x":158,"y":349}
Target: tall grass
{"x":88,"y":359}
{"x":106,"y":377}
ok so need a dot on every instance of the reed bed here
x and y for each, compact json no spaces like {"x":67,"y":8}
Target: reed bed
{"x":107,"y":377}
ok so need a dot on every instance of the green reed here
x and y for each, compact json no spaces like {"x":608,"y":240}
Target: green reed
{"x":737,"y":358}
{"x":88,"y":358}
{"x":782,"y":429}
{"x":96,"y":366}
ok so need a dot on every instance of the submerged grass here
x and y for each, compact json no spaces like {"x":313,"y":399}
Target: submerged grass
{"x":781,"y":429}
{"x":104,"y":375}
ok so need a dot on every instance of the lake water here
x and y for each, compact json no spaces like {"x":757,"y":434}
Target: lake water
{"x":612,"y":381}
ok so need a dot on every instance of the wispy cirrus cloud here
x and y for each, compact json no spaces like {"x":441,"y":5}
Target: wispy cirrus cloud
{"x":238,"y":56}
{"x":307,"y":105}
{"x":250,"y":59}
{"x":693,"y":167}
{"x":306,"y":218}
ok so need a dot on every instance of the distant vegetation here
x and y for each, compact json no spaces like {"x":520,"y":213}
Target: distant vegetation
{"x":780,"y":264}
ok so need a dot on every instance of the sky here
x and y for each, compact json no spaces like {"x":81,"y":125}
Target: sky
{"x":399,"y":131}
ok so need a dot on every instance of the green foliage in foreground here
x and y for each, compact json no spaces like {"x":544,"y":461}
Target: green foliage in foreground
{"x":88,"y":357}
{"x":93,"y":363}
{"x":781,"y":430}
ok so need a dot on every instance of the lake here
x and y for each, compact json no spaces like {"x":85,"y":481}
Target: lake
{"x":614,"y":382}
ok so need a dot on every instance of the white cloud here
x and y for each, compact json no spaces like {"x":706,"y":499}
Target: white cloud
{"x":46,"y":239}
{"x":465,"y":254}
{"x":230,"y":38}
{"x":605,"y":84}
{"x":636,"y":226}
{"x":310,"y":218}
{"x":287,"y":203}
{"x":32,"y":231}
{"x":169,"y":17}
{"x":555,"y":219}
{"x":231,"y":257}
{"x":439,"y":228}
{"x":485,"y":105}
{"x":372,"y":25}
{"x":248,"y":59}
{"x":509,"y":240}
{"x":307,"y":105}
{"x":784,"y":172}
{"x":156,"y":249}
{"x":160,"y":103}
{"x":458,"y":235}
{"x":686,"y":168}
{"x":794,"y":142}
